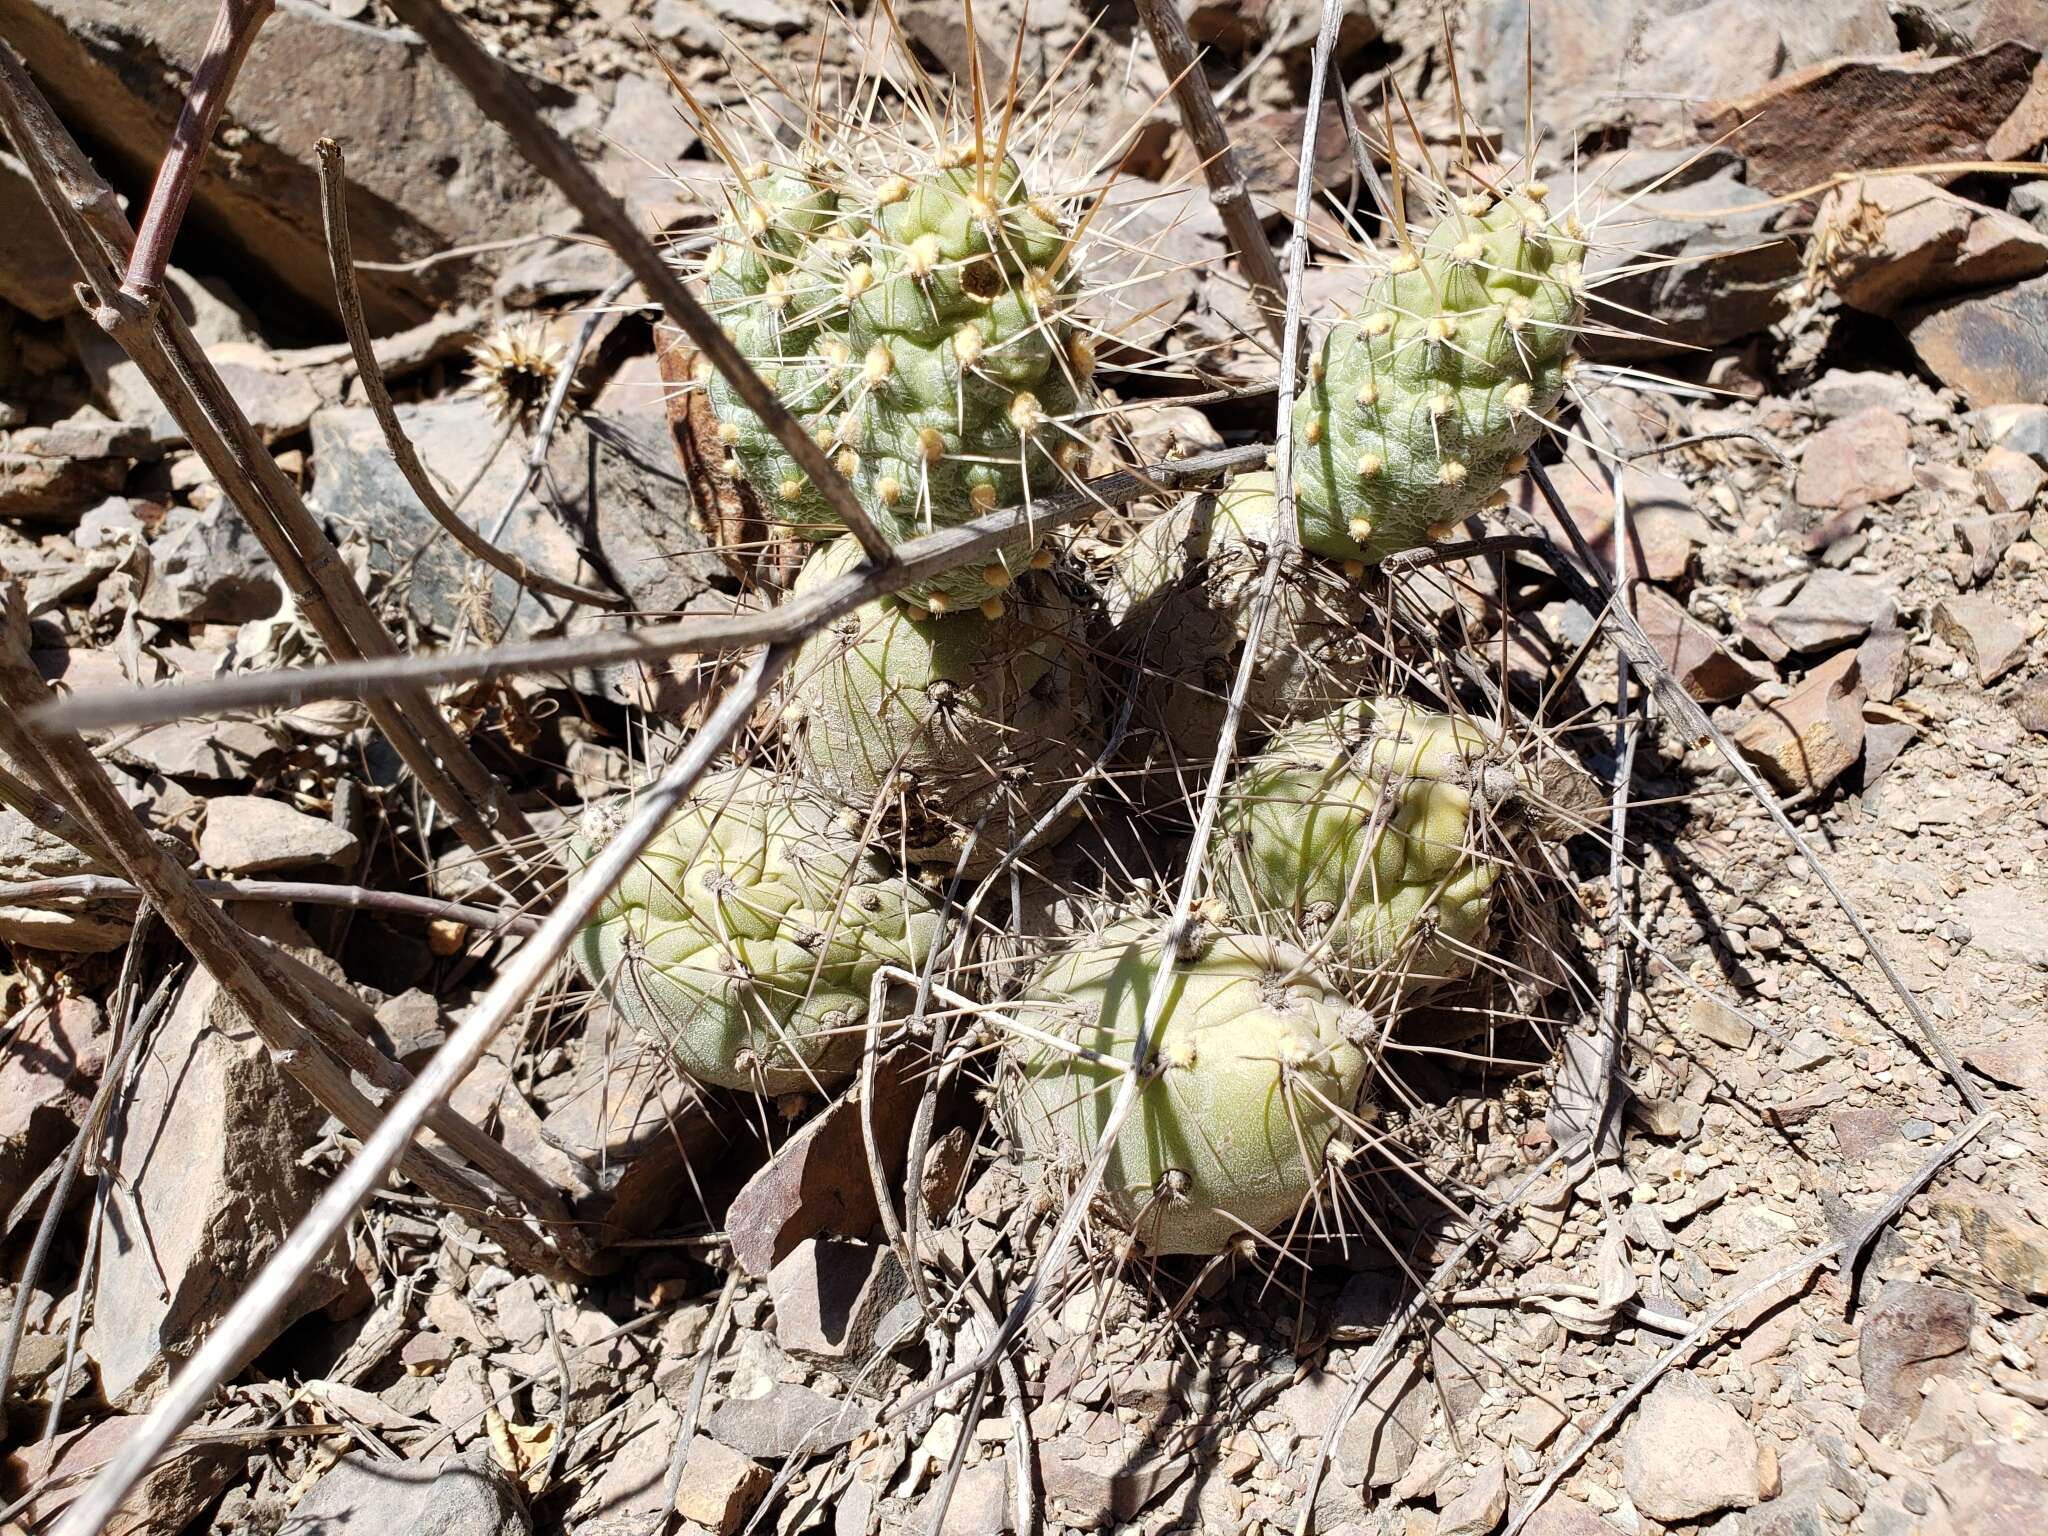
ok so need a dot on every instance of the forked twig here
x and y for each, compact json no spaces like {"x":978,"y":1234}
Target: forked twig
{"x":340,"y":260}
{"x":235,"y":27}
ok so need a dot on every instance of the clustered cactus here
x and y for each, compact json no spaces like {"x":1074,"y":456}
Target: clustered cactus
{"x":920,"y":324}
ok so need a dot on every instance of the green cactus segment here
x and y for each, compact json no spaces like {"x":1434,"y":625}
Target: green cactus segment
{"x":776,"y":282}
{"x":943,"y":725}
{"x":1417,"y":403}
{"x":1180,"y":597}
{"x":967,"y":362}
{"x":920,"y":332}
{"x":1354,"y":835}
{"x":1259,"y":1063}
{"x":746,"y":937}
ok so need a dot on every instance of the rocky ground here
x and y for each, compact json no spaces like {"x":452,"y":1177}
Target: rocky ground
{"x":1826,"y":429}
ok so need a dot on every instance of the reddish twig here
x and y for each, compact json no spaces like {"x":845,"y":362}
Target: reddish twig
{"x":227,"y":45}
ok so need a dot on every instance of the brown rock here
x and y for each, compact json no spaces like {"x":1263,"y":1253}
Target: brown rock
{"x":1991,"y":346}
{"x":1913,"y":1332}
{"x":1692,"y":651}
{"x":251,"y":834}
{"x":1477,"y":1510}
{"x":2009,"y":480}
{"x":1664,"y":529}
{"x":1982,"y":630}
{"x":720,"y":1487}
{"x":36,"y":270}
{"x":1561,"y":1516}
{"x":1885,"y":240}
{"x":1831,"y":608}
{"x":429,"y":170}
{"x":1092,"y":1492}
{"x":172,"y":1494}
{"x":1987,"y":1495}
{"x":834,"y":1299}
{"x":2026,"y":130}
{"x":1865,"y":114}
{"x":38,"y":486}
{"x":1814,"y":735}
{"x":1689,"y":1453}
{"x":2031,"y":707}
{"x":1885,"y":659}
{"x":818,"y":1180}
{"x":1856,"y":461}
{"x":1985,"y":539}
{"x":2008,"y":1242}
{"x":208,"y":1158}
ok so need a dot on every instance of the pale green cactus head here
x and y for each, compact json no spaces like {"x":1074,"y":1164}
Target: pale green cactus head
{"x":1260,"y":1064}
{"x":1418,"y":403}
{"x":938,"y":727}
{"x":1360,"y":837}
{"x":744,"y":941}
{"x":1180,"y":598}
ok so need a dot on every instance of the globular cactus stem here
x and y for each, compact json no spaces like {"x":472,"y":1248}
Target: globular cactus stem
{"x":1363,"y":837}
{"x":921,"y":328}
{"x":745,"y":939}
{"x":1418,"y":403}
{"x":1259,"y":1065}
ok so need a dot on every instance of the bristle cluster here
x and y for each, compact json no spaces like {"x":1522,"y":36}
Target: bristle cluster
{"x":1446,"y":370}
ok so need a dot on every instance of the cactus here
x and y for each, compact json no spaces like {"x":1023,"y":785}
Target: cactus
{"x":1259,"y":1065}
{"x":746,"y":937}
{"x":943,"y":725}
{"x":1418,"y":403}
{"x":1356,"y":836}
{"x":1180,"y":598}
{"x":919,"y":329}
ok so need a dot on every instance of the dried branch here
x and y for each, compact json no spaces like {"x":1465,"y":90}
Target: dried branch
{"x":312,"y":893}
{"x":386,"y":1146}
{"x":89,"y":217}
{"x":508,"y":103}
{"x":792,"y":619}
{"x":1227,"y":189}
{"x":234,"y":31}
{"x":334,"y":208}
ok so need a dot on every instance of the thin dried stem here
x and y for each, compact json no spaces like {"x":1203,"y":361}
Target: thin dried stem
{"x":356,"y":898}
{"x":1227,"y":188}
{"x":340,"y":260}
{"x":792,"y":619}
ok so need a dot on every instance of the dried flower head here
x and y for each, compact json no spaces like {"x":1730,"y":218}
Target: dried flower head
{"x":516,"y":367}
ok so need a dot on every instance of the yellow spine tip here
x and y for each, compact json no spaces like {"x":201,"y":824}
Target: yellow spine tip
{"x":1440,"y":328}
{"x":879,"y":364}
{"x":1536,"y":191}
{"x":1404,"y":262}
{"x":982,"y":497}
{"x":890,"y":489}
{"x":728,"y":432}
{"x":1361,"y":529}
{"x":1518,"y":465}
{"x":1025,"y":413}
{"x":1378,"y":323}
{"x":995,"y":577}
{"x":848,"y":461}
{"x":1368,"y":393}
{"x":923,"y":255}
{"x":992,"y":608}
{"x":1450,"y":472}
{"x":1354,"y":569}
{"x":1469,"y":249}
{"x":1438,"y":532}
{"x":790,"y":490}
{"x":1041,"y":559}
{"x":938,"y":602}
{"x":967,"y":345}
{"x":931,"y":445}
{"x":859,"y":278}
{"x":892,"y":191}
{"x":1314,"y":430}
{"x":1496,"y":501}
{"x":1516,"y":397}
{"x":1081,"y":356}
{"x":1369,"y":464}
